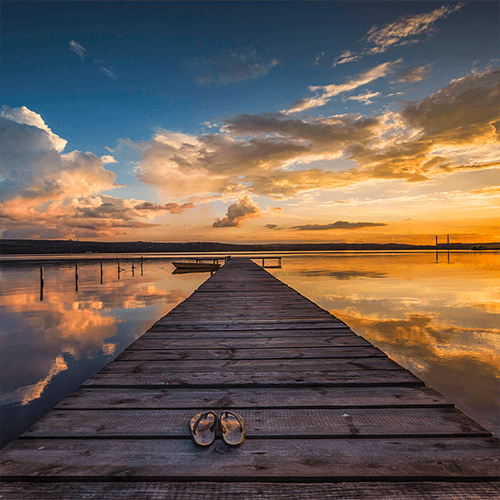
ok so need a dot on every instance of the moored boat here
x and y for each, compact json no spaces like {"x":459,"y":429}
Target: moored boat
{"x":196,"y":266}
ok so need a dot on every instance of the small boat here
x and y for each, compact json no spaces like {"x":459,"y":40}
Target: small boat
{"x":196,"y":266}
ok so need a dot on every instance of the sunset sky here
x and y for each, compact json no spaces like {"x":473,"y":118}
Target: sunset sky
{"x":250,"y":121}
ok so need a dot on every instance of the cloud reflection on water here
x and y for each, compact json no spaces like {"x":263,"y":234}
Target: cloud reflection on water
{"x":439,"y":320}
{"x":462,"y":362}
{"x":40,"y":338}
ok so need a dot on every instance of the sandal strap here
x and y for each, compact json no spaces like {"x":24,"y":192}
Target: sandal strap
{"x":201,"y":417}
{"x":235,"y":415}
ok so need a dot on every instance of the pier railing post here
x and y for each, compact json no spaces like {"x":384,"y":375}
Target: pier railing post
{"x":42,"y":283}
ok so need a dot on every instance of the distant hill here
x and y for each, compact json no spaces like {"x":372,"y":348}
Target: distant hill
{"x":70,"y":246}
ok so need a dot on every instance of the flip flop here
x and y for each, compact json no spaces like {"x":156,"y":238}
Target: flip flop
{"x":202,"y":427}
{"x":232,"y":427}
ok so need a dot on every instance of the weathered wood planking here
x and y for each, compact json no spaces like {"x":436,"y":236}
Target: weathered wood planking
{"x":359,"y":378}
{"x":250,"y":365}
{"x":228,"y":353}
{"x":294,"y":397}
{"x":249,"y":326}
{"x":320,"y":403}
{"x":262,"y":424}
{"x":258,"y":459}
{"x":421,"y":490}
{"x":158,"y":332}
{"x":257,"y":341}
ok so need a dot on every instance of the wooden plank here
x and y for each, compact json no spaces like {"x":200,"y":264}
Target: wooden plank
{"x":360,"y":378}
{"x":211,"y":301}
{"x":160,"y":332}
{"x":257,"y":459}
{"x":148,"y":341}
{"x":208,"y":318}
{"x":206,"y":315}
{"x":245,"y":315}
{"x":264,"y":353}
{"x":420,"y":490}
{"x":246,"y":365}
{"x":254,"y":324}
{"x":261,"y":423}
{"x":269,"y":307}
{"x":298,"y":397}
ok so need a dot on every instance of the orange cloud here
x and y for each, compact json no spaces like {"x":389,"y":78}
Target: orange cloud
{"x":454,"y":129}
{"x":238,"y":213}
{"x":325,"y":93}
{"x":51,"y":194}
{"x":397,"y":32}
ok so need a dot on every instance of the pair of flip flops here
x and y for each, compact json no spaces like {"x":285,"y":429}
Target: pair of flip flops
{"x":203,"y":426}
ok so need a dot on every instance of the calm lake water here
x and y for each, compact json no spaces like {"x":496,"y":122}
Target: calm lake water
{"x":440,"y":318}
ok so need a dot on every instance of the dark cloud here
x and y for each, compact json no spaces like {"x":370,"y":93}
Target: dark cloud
{"x":461,"y":112}
{"x":174,"y":208}
{"x":338,"y":225}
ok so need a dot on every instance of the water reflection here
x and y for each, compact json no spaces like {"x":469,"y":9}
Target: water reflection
{"x":440,"y":320}
{"x":346,"y":274}
{"x":48,"y":347}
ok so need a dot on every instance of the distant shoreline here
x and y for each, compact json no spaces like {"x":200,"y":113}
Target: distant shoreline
{"x":57,"y":247}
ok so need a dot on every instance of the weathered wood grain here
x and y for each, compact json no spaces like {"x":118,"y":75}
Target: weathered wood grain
{"x":148,"y":341}
{"x":253,"y":324}
{"x":227,"y":353}
{"x":303,"y":397}
{"x":247,"y":365}
{"x":262,"y":423}
{"x":258,"y":459}
{"x":359,"y":378}
{"x":421,"y":490}
{"x":207,"y":333}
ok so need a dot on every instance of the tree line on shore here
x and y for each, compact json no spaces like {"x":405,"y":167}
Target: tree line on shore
{"x":8,"y":246}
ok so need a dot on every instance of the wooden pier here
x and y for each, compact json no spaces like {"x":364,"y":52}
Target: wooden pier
{"x":327,"y":414}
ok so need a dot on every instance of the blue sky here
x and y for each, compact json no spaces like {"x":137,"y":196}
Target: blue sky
{"x":250,"y":121}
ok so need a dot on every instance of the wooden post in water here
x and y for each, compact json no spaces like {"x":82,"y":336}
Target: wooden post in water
{"x":101,"y":272}
{"x":133,"y":268}
{"x":76,"y":276}
{"x":42,"y":283}
{"x":142,"y":270}
{"x":119,"y":269}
